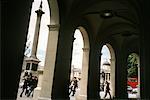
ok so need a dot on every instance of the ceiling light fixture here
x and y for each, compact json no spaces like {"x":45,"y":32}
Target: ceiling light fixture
{"x":106,"y":14}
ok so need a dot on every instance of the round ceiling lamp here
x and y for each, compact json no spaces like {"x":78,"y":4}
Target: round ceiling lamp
{"x":106,"y":14}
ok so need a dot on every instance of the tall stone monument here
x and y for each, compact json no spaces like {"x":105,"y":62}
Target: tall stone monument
{"x":32,"y":61}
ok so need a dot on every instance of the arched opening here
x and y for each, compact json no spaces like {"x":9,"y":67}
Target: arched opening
{"x":80,"y":61}
{"x":133,"y":76}
{"x":76,"y":64}
{"x":29,"y":68}
{"x":107,"y":72}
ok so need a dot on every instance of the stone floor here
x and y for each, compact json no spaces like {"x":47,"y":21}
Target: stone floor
{"x":71,"y":97}
{"x":23,"y":96}
{"x":31,"y":98}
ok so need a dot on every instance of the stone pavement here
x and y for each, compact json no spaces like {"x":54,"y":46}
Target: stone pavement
{"x":102,"y":94}
{"x":31,"y":98}
{"x":23,"y":96}
{"x":71,"y":97}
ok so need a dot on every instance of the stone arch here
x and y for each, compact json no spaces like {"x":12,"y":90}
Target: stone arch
{"x":111,"y":62}
{"x":85,"y":64}
{"x":54,"y":12}
{"x":112,"y":66}
{"x":85,"y":37}
{"x":136,"y":56}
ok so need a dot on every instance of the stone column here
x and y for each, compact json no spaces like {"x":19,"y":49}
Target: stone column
{"x":139,"y":80}
{"x":145,"y":51}
{"x":94,"y":73}
{"x":46,"y":88}
{"x":84,"y":75}
{"x":38,"y":88}
{"x":121,"y":75}
{"x":37,"y":29}
{"x":112,"y":77}
{"x":61,"y":78}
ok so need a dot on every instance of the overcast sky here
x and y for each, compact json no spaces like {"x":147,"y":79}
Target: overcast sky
{"x":77,"y":50}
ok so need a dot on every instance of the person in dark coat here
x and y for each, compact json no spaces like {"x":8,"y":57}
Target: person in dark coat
{"x":103,"y":75}
{"x":74,"y":86}
{"x":24,"y":87}
{"x":33,"y":85}
{"x":25,"y":74}
{"x":107,"y":90}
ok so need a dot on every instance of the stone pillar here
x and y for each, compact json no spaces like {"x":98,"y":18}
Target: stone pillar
{"x":15,"y":24}
{"x":46,"y":88}
{"x":93,"y":87}
{"x":84,"y":75}
{"x":38,"y":88}
{"x":61,"y":78}
{"x":112,"y":77}
{"x":37,"y":29}
{"x":139,"y":80}
{"x":145,"y":51}
{"x":121,"y":75}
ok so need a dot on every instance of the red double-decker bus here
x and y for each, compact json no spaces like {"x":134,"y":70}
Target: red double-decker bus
{"x":133,"y":82}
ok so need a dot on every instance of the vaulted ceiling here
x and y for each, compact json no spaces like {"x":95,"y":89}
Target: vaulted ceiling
{"x":124,"y":18}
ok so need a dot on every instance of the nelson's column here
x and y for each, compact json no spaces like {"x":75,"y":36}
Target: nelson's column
{"x":32,"y":61}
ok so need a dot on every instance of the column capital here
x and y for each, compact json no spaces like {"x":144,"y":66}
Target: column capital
{"x":85,"y":49}
{"x":54,"y":27}
{"x":112,"y":59}
{"x":39,"y":12}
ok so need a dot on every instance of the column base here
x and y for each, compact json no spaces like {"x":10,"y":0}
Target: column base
{"x":43,"y":98}
{"x":36,"y":93}
{"x":81,"y":97}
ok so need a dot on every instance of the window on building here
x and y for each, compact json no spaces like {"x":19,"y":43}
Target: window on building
{"x":34,"y":67}
{"x":28,"y":66}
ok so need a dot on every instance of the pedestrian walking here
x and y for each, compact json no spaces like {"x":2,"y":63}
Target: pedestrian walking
{"x":74,"y":86}
{"x":33,"y":84}
{"x":103,"y":75}
{"x":107,"y":90}
{"x":25,"y":86}
{"x":25,"y":74}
